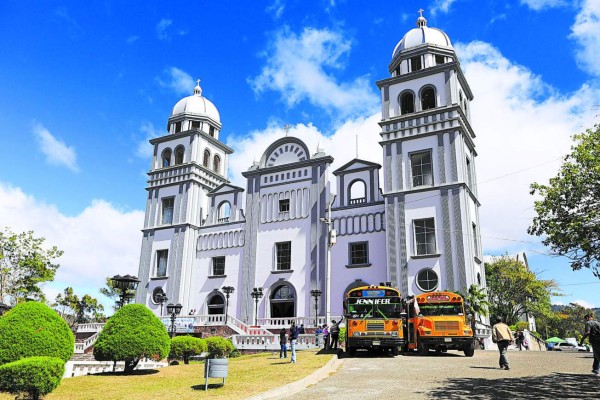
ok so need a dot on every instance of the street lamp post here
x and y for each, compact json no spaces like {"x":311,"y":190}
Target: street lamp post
{"x":173,"y":310}
{"x":227,"y":290}
{"x":125,"y":284}
{"x":161,"y":299}
{"x":331,"y":240}
{"x":316,"y":293}
{"x":256,"y":294}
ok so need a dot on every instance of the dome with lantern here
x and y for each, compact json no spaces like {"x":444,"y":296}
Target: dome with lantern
{"x":420,"y":35}
{"x":196,"y":105}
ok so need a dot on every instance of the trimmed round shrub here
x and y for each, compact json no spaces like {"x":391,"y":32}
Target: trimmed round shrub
{"x":218,"y":347}
{"x":34,"y":329}
{"x":133,"y":333}
{"x":36,"y":376}
{"x":187,"y":346}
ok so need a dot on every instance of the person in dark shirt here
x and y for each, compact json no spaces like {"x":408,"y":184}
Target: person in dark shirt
{"x":334,"y":331}
{"x":592,"y":329}
{"x":283,"y":344}
{"x":294,"y":332}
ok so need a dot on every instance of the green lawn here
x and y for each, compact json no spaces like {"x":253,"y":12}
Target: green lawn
{"x":248,"y":375}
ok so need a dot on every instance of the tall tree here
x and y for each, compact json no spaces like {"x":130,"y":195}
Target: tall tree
{"x":569,"y":213}
{"x":513,"y":290}
{"x":24,"y":266}
{"x":77,"y":311}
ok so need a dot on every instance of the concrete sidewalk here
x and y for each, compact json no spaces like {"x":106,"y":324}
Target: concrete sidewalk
{"x":533,"y":375}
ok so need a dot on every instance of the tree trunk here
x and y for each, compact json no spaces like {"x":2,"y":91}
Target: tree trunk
{"x":130,"y":365}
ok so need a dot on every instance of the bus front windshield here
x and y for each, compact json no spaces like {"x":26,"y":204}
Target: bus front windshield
{"x":389,"y":307}
{"x":441,"y":309}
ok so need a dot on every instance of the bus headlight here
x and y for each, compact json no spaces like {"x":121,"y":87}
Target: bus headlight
{"x":395,"y":333}
{"x":467,"y":332}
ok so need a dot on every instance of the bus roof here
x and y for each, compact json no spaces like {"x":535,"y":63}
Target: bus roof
{"x":374,"y":287}
{"x":438,"y":296}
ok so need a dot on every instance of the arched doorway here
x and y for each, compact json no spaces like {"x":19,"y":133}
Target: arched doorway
{"x":216,"y":304}
{"x":283,"y":301}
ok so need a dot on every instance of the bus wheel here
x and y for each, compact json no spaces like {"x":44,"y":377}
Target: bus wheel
{"x":351,"y":351}
{"x":422,"y":349}
{"x":395,"y":351}
{"x":469,"y":349}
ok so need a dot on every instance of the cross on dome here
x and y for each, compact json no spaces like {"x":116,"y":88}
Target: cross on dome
{"x":287,"y":128}
{"x":421,"y":21}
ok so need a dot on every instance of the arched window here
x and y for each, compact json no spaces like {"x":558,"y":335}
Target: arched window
{"x":407,"y":103}
{"x":427,"y":280}
{"x":179,"y":155}
{"x":217,"y":163}
{"x":357,"y":192}
{"x":166,"y":158}
{"x":224,"y":211}
{"x":283,"y":300}
{"x":427,"y":98}
{"x":216,"y":304}
{"x":206,"y":158}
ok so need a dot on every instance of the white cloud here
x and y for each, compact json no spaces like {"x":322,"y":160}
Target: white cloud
{"x":177,"y":80}
{"x":162,"y":27}
{"x":442,"y":6}
{"x":301,"y":68}
{"x":55,"y":150}
{"x":586,"y":32}
{"x":144,"y":148}
{"x":543,"y":4}
{"x":523,"y":126}
{"x":276,"y":9}
{"x":101,"y":241}
{"x":584,"y":303}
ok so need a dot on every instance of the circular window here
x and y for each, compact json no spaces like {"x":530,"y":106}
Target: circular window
{"x":427,"y":280}
{"x":158,"y":295}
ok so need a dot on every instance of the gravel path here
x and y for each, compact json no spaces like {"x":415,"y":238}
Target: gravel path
{"x":533,"y":375}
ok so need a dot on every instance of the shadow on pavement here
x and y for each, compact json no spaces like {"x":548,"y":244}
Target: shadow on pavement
{"x":554,"y":386}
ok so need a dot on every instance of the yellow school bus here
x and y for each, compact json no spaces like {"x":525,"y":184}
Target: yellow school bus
{"x":373,"y":319}
{"x":437,"y":321}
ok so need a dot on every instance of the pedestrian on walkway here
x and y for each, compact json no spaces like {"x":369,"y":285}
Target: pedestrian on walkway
{"x":293,"y":340}
{"x":319,"y":335}
{"x":283,"y":344}
{"x":334,"y":331}
{"x":592,"y":329}
{"x":502,"y":336}
{"x":325,"y":336}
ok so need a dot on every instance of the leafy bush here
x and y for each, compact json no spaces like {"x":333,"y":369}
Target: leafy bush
{"x":235,"y":354}
{"x":218,"y":347}
{"x":342,"y":336}
{"x":36,"y":376}
{"x":521,"y":325}
{"x":34,"y":329}
{"x":133,"y":333}
{"x":187,"y":346}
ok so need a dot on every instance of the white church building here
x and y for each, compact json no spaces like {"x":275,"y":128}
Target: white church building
{"x":417,"y":227}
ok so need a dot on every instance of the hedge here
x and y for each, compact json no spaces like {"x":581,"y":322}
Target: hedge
{"x":187,"y":346}
{"x":36,"y":376}
{"x":33,"y":329}
{"x":219,"y":347}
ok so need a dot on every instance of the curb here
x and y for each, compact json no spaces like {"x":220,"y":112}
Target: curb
{"x":296,"y":387}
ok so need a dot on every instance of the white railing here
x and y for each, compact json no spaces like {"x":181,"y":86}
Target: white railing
{"x":271,"y":342}
{"x":95,"y":327}
{"x":81,"y":347}
{"x":308,"y":322}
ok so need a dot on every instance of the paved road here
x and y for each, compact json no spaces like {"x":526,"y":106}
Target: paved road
{"x":533,"y":375}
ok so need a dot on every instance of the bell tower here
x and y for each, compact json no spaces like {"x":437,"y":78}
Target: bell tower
{"x":188,"y":162}
{"x":431,"y":206}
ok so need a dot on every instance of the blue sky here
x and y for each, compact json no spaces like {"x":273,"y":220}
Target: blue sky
{"x":85,"y":86}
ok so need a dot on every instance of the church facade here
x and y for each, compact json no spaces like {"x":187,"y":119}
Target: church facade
{"x":417,"y":229}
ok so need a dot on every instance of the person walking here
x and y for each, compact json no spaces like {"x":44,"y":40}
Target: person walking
{"x":325,"y":337}
{"x":301,"y":329}
{"x":283,"y":344}
{"x":293,"y":340}
{"x":502,"y":336}
{"x":319,"y":335}
{"x":592,"y":330}
{"x":334,"y":331}
{"x":519,"y":337}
